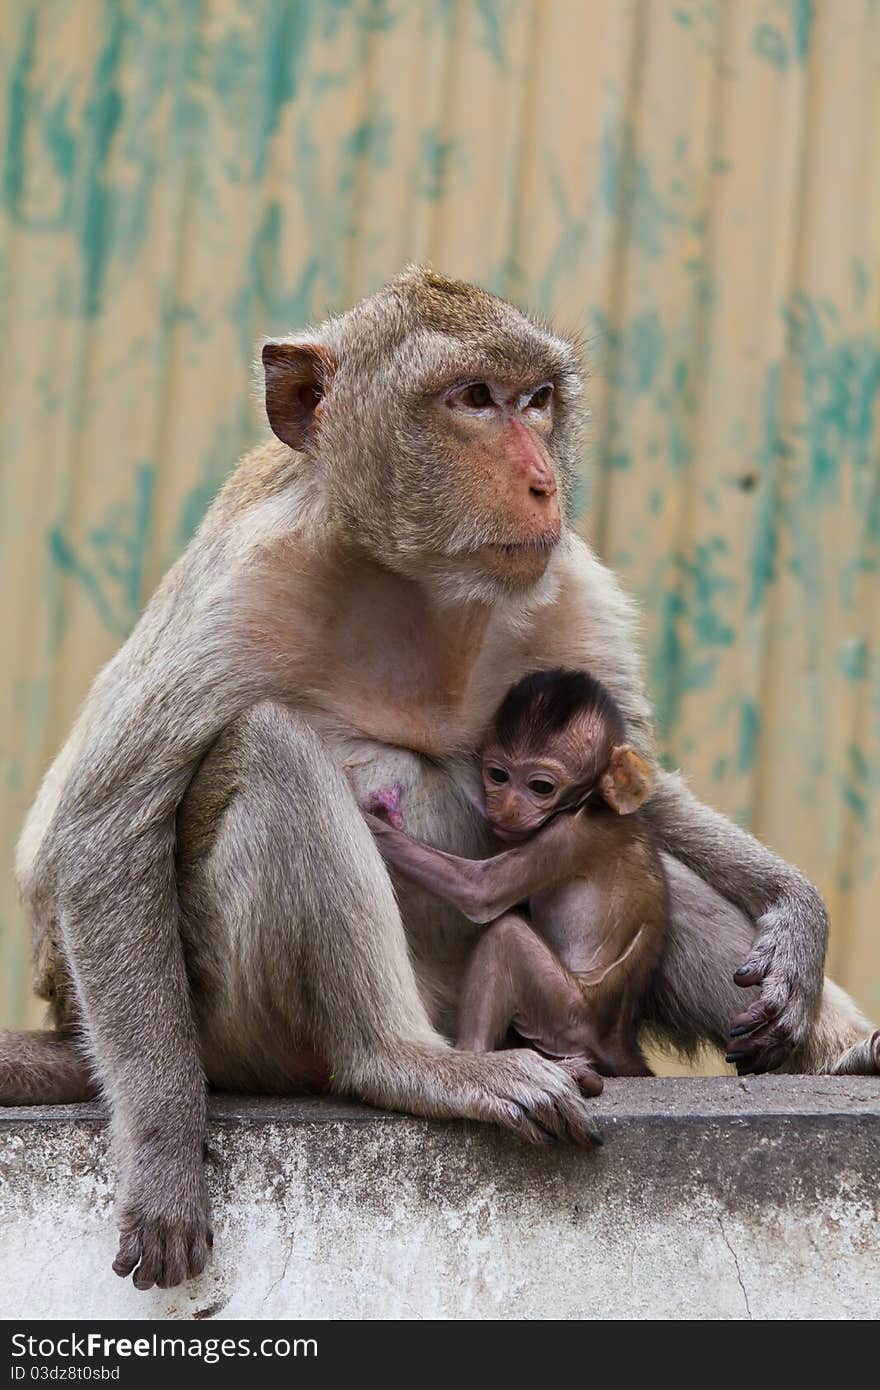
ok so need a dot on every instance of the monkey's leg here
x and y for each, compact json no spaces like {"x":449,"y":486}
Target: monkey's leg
{"x":489,"y":994}
{"x":617,"y":1052}
{"x":515,"y":979}
{"x":43,"y":1068}
{"x":294,"y":938}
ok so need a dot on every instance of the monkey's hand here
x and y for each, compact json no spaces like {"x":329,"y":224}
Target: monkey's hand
{"x":164,"y":1229}
{"x":787,"y":961}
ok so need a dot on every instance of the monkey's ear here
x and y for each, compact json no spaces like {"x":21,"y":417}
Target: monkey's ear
{"x":298,"y":376}
{"x":627,"y":782}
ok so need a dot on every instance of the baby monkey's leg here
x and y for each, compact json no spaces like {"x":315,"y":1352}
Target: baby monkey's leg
{"x":514,"y":979}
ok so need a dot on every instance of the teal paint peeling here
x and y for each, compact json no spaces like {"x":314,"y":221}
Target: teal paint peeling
{"x":769,"y":44}
{"x":436,"y":157}
{"x":764,"y":546}
{"x":803,"y":15}
{"x":230,"y":441}
{"x":645,"y":340}
{"x":492,"y":28}
{"x":102,"y":119}
{"x":17,"y":115}
{"x":108,"y":563}
{"x":264,"y":305}
{"x":41,"y":204}
{"x":665,"y":665}
{"x":856,"y":801}
{"x":858,"y":762}
{"x":287,"y":27}
{"x":852,"y":661}
{"x":777,"y":48}
{"x":627,"y":191}
{"x":749,"y":733}
{"x":368,"y":144}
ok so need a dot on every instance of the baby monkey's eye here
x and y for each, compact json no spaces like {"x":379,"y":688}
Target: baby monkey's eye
{"x":476,"y":396}
{"x":497,"y":774}
{"x":541,"y":787}
{"x":541,"y":397}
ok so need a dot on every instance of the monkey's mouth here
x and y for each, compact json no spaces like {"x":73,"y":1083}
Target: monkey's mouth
{"x":503,"y":833}
{"x":536,"y":545}
{"x":523,"y":561}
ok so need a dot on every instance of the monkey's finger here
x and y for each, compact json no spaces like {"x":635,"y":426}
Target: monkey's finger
{"x":128,"y":1254}
{"x":175,"y":1262}
{"x":752,"y":973}
{"x":759,"y":1052}
{"x":149,"y":1270}
{"x":514,"y":1116}
{"x":570,"y":1120}
{"x":197,"y":1256}
{"x":758,"y":1015}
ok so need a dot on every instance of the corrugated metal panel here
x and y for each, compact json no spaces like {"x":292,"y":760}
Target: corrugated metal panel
{"x":692,"y":184}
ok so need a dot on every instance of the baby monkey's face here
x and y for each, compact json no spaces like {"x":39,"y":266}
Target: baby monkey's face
{"x":523,"y":789}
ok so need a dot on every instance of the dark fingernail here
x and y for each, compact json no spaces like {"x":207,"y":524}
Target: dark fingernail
{"x":738,"y":1032}
{"x":596,"y":1139}
{"x":734,"y":1056}
{"x":743,"y":970}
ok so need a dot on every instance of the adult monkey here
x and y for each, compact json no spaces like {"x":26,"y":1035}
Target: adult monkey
{"x":207,"y":900}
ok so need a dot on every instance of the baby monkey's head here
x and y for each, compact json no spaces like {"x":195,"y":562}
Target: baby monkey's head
{"x":556,"y":737}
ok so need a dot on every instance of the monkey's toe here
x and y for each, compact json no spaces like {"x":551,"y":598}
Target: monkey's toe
{"x":540,"y":1101}
{"x":163,"y":1252}
{"x":582,"y":1073}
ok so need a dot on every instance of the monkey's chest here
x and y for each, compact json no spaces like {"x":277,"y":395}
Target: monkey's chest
{"x":578,"y":923}
{"x":399,"y":698}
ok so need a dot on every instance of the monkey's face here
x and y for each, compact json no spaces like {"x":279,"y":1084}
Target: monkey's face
{"x":493,"y":437}
{"x":524,"y":789}
{"x":443,"y":428}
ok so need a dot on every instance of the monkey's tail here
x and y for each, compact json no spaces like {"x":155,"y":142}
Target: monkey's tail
{"x":841,"y":1039}
{"x":44,"y":1068}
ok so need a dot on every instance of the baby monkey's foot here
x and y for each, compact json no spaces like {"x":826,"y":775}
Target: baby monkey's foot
{"x":582,"y":1072}
{"x":387,"y":805}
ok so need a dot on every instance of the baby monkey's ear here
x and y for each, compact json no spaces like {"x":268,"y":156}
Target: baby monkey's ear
{"x":627,"y":782}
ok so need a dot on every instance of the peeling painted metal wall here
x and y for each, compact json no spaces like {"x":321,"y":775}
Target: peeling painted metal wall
{"x":695,"y":185}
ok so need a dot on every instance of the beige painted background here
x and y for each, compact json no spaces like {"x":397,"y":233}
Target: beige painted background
{"x":693,"y":184}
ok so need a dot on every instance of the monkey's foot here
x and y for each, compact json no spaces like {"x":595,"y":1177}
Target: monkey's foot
{"x":164,"y":1234}
{"x":861,"y":1060}
{"x":535,"y":1098}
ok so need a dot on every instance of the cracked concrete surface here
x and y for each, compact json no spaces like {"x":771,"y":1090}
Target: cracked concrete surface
{"x":712,"y":1198}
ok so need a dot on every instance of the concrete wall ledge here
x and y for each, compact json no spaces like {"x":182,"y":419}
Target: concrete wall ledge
{"x":712,"y":1198}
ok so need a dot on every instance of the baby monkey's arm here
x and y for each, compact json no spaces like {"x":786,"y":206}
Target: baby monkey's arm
{"x":481,"y":889}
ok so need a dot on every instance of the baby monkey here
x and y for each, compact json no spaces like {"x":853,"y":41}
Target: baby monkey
{"x":578,"y":903}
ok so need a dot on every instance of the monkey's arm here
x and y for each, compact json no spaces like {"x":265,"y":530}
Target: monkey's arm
{"x":787,"y":957}
{"x":482,"y":889}
{"x":788,"y":953}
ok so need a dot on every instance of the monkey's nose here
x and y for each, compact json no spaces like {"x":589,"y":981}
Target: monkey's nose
{"x":543,"y":485}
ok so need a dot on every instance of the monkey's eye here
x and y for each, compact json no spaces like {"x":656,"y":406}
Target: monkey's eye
{"x":541,"y":398}
{"x":476,"y":396}
{"x":497,"y":774}
{"x":541,"y":787}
